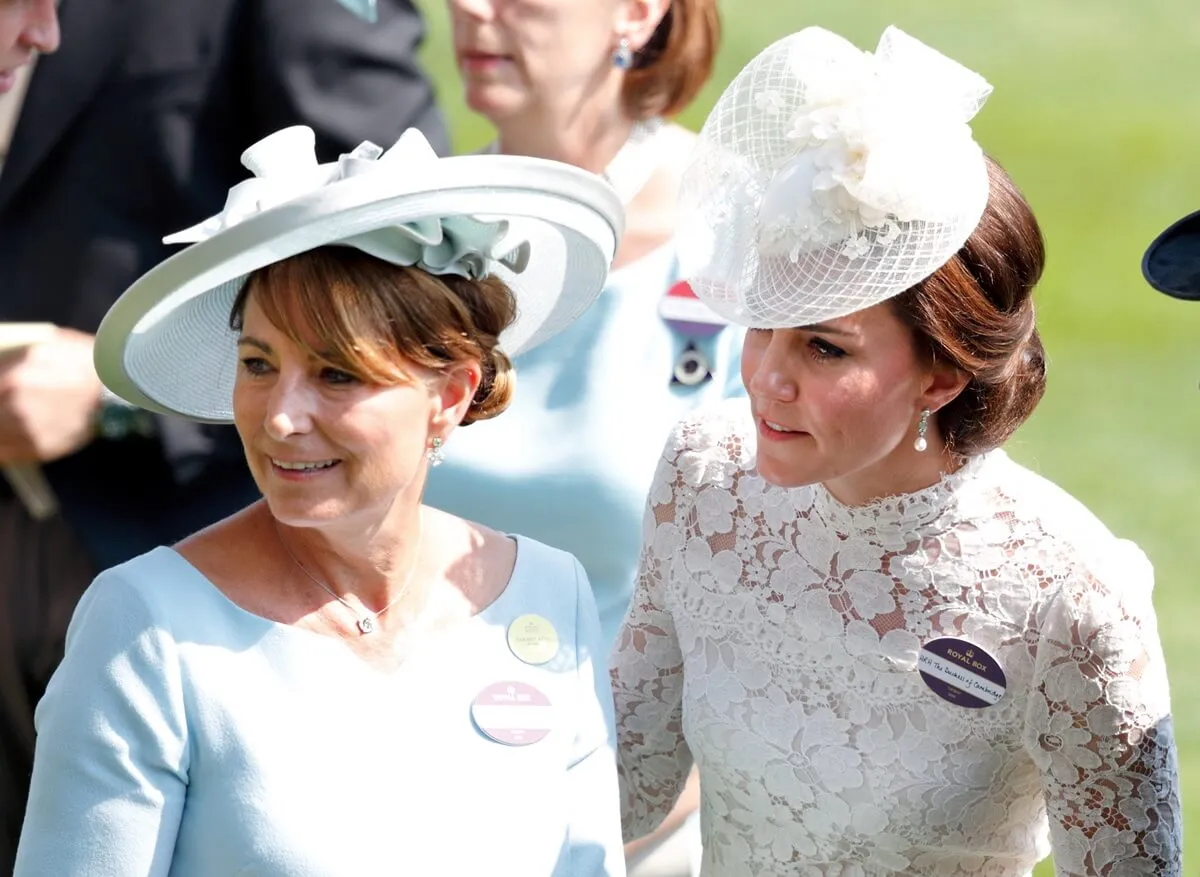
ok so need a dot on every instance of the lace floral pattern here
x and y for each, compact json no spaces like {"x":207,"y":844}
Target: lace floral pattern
{"x":774,"y":636}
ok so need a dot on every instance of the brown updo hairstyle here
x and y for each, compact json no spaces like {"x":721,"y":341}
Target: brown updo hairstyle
{"x":976,"y":312}
{"x":372,"y":318}
{"x":671,"y":68}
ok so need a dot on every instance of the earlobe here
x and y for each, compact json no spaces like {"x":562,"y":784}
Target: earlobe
{"x":640,"y":19}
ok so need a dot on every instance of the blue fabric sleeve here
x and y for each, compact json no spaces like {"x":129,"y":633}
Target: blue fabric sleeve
{"x":595,"y":845}
{"x":110,"y":770}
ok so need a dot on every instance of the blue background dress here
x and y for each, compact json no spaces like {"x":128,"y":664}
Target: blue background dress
{"x":570,"y":461}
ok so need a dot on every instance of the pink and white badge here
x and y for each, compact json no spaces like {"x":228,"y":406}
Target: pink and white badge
{"x":513,"y":713}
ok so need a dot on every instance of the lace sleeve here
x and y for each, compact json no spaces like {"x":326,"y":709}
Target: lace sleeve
{"x":647,"y":673}
{"x":1099,"y":727}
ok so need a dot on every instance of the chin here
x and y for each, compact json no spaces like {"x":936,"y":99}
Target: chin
{"x":494,"y":102}
{"x":787,"y":479}
{"x":293,"y":513}
{"x":781,"y":473}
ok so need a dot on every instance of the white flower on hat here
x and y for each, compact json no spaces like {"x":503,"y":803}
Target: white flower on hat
{"x":828,"y":179}
{"x":873,"y":146}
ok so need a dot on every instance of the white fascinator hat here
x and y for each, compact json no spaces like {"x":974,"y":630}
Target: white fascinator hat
{"x":828,"y":179}
{"x":547,"y":229}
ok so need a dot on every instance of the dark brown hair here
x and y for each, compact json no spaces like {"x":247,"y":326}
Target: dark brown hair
{"x":372,"y":318}
{"x":671,"y":68}
{"x":976,"y":312}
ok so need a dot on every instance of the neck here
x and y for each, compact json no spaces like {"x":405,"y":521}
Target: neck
{"x":375,"y":564}
{"x":903,"y":471}
{"x":588,"y":140}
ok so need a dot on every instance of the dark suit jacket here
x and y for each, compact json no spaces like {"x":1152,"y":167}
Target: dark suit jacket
{"x":134,"y":130}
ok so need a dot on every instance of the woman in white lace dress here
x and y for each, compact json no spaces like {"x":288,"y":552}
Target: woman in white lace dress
{"x":888,"y":648}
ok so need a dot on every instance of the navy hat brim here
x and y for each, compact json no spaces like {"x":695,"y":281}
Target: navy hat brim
{"x":1171,"y":263}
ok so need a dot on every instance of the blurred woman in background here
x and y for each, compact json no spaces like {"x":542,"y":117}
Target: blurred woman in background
{"x":594,"y":84}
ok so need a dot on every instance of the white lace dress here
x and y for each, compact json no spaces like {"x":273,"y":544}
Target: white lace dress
{"x":774,"y":638}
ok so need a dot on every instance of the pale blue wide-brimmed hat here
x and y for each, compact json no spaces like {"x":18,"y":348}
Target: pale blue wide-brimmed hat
{"x":547,"y":229}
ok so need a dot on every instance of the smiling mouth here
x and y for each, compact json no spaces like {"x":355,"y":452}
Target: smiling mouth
{"x":314,"y":466}
{"x":779,"y":427}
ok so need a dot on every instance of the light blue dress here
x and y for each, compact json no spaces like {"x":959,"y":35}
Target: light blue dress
{"x":183,"y":735}
{"x":570,"y":461}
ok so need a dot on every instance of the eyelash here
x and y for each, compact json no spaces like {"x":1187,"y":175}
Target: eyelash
{"x":818,"y":348}
{"x":257,"y":366}
{"x":337,"y":376}
{"x":823,"y":350}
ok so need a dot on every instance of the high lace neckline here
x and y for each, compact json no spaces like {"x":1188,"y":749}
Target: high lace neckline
{"x":918,"y":512}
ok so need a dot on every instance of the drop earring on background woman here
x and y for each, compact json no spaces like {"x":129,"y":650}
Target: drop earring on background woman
{"x":623,"y":56}
{"x":435,"y":455}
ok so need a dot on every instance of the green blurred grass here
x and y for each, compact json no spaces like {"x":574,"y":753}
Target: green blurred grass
{"x":1095,"y":114}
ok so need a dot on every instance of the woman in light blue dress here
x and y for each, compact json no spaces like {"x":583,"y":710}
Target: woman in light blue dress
{"x":592,"y":84}
{"x":339,"y":680}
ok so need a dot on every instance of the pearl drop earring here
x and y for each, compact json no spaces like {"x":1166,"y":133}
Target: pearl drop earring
{"x":922,"y":427}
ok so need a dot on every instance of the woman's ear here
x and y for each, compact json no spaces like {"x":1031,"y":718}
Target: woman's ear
{"x":943,"y":382}
{"x":638,"y":19}
{"x":453,"y":393}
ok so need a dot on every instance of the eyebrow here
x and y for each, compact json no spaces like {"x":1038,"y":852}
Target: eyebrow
{"x":251,"y":341}
{"x":826,"y":329}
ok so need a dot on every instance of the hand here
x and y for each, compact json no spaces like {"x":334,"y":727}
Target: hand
{"x":49,"y":393}
{"x":688,"y":803}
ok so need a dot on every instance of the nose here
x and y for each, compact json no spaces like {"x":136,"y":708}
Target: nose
{"x":771,"y":378}
{"x":290,"y":406}
{"x":40,"y":32}
{"x":480,"y":10}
